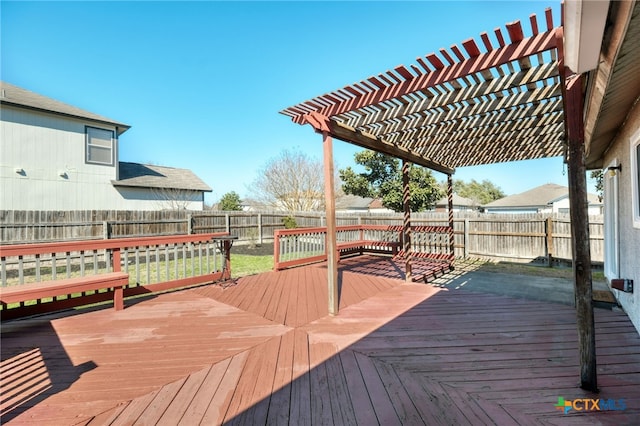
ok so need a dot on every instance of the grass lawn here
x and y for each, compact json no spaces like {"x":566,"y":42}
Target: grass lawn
{"x":243,"y":264}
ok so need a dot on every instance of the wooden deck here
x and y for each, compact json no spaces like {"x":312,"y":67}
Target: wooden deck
{"x":263,"y":351}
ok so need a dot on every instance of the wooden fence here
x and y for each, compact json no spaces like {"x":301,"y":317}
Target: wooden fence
{"x":524,"y":237}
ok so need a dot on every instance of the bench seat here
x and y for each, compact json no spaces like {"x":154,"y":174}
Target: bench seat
{"x":360,"y":245}
{"x":43,"y":289}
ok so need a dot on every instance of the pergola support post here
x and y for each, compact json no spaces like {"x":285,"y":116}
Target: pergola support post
{"x":450,"y":210}
{"x":330,"y":209}
{"x":578,"y":203}
{"x":406,"y":223}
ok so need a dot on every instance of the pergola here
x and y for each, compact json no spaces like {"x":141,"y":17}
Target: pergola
{"x":504,"y":98}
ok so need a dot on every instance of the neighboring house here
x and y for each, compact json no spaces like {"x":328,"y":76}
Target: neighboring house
{"x":55,"y":156}
{"x":377,"y":207}
{"x":251,"y":205}
{"x":162,"y":187}
{"x":357,"y":204}
{"x":459,"y":204}
{"x":612,"y":143}
{"x":547,"y":198}
{"x":353,"y":204}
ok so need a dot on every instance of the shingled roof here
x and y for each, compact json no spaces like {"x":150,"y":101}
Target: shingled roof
{"x":151,"y":176}
{"x":353,"y":202}
{"x":18,"y":97}
{"x":542,"y":195}
{"x":457,"y":201}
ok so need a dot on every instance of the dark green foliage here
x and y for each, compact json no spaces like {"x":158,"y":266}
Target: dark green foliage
{"x":289,"y":222}
{"x":597,"y":175}
{"x":230,"y":202}
{"x":481,"y":192}
{"x":383,"y":179}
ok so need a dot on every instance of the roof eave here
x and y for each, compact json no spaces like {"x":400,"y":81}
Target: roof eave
{"x":120,"y":127}
{"x":124,"y":183}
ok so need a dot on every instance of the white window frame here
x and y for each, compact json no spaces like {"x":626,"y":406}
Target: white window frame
{"x":88,"y":146}
{"x":634,"y":158}
{"x":611,"y":201}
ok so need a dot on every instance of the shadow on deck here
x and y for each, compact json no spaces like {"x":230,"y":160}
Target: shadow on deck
{"x":265,"y":351}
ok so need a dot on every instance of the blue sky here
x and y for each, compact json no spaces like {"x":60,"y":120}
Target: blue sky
{"x":201,"y":83}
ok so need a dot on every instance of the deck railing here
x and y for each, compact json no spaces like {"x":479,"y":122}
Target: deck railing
{"x":153,"y":264}
{"x":432,"y":242}
{"x":293,"y":247}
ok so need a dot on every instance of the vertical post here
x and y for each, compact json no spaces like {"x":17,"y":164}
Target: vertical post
{"x":227,"y":223}
{"x":548,"y":229}
{"x":466,"y":238}
{"x":106,"y":231}
{"x":406,"y":225}
{"x":276,"y":250}
{"x":189,"y":224}
{"x":227,"y":260}
{"x":578,"y":207}
{"x":330,"y":208}
{"x":115,"y":258}
{"x":452,"y":243}
{"x":260,"y":228}
{"x":118,"y":292}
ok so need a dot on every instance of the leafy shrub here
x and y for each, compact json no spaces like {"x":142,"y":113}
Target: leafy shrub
{"x":289,"y":222}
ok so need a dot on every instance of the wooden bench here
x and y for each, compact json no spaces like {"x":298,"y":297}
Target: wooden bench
{"x":35,"y":291}
{"x":359,"y":246}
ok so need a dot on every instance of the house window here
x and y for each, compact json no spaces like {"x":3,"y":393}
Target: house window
{"x":100,"y":146}
{"x":635,"y":178}
{"x":611,"y":232}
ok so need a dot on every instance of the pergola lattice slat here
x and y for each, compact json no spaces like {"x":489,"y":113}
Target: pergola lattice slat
{"x":454,"y":100}
{"x":469,"y":94}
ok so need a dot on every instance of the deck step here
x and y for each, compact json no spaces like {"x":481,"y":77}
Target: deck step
{"x":604,"y":299}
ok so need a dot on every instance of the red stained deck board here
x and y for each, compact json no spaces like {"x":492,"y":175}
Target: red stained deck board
{"x":382,"y":404}
{"x":342,"y":406}
{"x":250,"y":383}
{"x":159,"y":404}
{"x":131,"y":413}
{"x":200,"y":401}
{"x":262,"y":384}
{"x":396,"y":351}
{"x":398,"y":395}
{"x":218,"y":406}
{"x":300,"y":407}
{"x":278,"y":409}
{"x":306,"y":300}
{"x":180,"y":402}
{"x":276,"y":299}
{"x":321,"y":412}
{"x":363,"y":409}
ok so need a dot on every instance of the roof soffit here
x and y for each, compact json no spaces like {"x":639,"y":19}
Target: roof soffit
{"x":613,"y":87}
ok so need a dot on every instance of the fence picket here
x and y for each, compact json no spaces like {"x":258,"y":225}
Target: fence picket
{"x":515,"y":236}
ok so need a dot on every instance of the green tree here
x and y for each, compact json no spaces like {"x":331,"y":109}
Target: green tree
{"x":230,"y":202}
{"x":382,"y":179}
{"x":481,"y":192}
{"x":597,"y":176}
